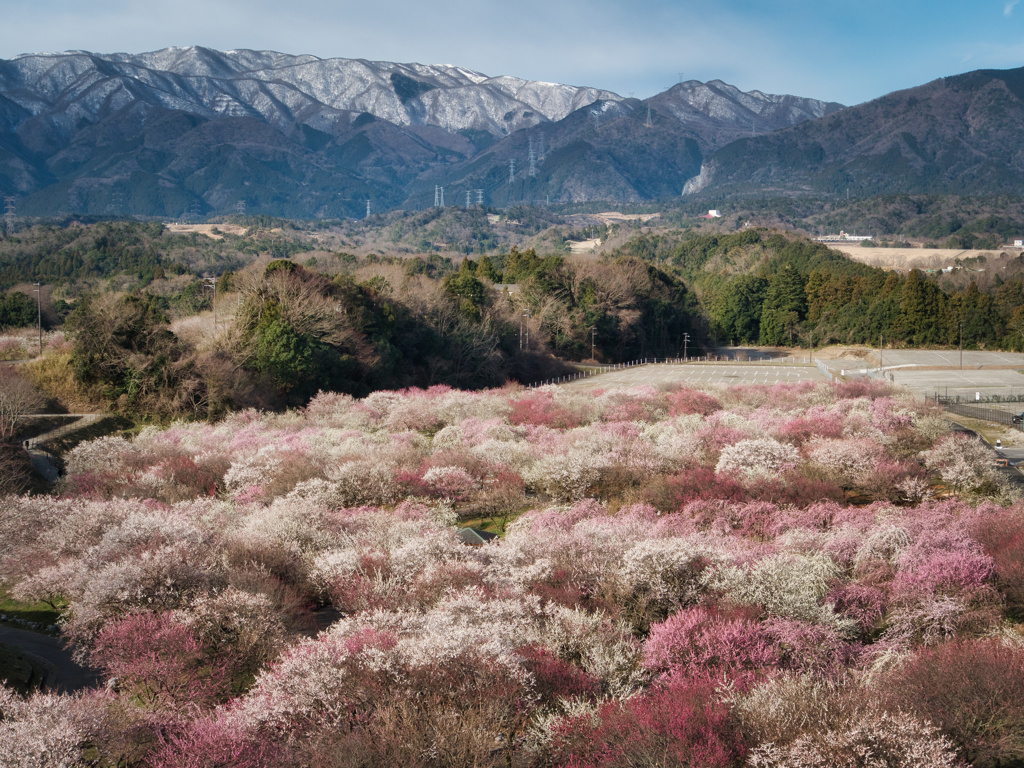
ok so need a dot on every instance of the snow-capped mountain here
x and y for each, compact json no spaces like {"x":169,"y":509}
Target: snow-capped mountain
{"x":187,"y":129}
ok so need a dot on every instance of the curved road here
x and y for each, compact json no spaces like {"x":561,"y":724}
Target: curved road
{"x":63,"y":673}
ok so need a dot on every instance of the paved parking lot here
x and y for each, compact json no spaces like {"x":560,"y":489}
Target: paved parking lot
{"x":988,"y":382}
{"x":697,"y":374}
{"x":946,"y":357}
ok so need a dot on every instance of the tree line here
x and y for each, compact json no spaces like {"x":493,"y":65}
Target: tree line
{"x":758,"y":287}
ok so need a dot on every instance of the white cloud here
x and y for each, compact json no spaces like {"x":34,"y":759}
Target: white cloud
{"x":1008,"y":8}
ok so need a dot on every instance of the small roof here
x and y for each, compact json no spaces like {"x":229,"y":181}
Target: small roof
{"x":475,"y":537}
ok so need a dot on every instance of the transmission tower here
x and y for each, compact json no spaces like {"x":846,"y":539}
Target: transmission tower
{"x":468,"y":193}
{"x":533,"y":159}
{"x":648,"y":124}
{"x":367,"y":207}
{"x":511,"y":171}
{"x":9,"y":213}
{"x":442,"y":197}
{"x":479,"y":197}
{"x":116,"y":204}
{"x":540,"y":153}
{"x":597,"y":118}
{"x":240,"y":207}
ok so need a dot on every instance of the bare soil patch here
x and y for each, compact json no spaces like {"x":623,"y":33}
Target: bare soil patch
{"x":207,"y":229}
{"x":908,"y":258}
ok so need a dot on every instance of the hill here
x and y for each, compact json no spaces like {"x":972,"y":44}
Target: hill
{"x":957,"y":135}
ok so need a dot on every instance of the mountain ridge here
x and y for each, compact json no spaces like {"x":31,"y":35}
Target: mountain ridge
{"x":199,"y":130}
{"x":953,"y":135}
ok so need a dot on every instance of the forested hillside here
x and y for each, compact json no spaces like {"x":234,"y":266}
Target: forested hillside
{"x":142,"y":336}
{"x":762,"y":287}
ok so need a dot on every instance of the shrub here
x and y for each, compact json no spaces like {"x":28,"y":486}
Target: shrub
{"x":159,"y":659}
{"x":1001,"y":533}
{"x":883,"y":739}
{"x":679,"y":722}
{"x":972,"y":691}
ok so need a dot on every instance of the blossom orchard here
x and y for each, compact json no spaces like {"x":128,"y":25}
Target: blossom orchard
{"x":680,"y":573}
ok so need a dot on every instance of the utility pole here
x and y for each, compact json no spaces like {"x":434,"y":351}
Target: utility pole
{"x":686,"y":340}
{"x":879,"y":353}
{"x":961,"y":346}
{"x":39,"y":316}
{"x":593,"y":336}
{"x":527,"y":313}
{"x":211,"y":282}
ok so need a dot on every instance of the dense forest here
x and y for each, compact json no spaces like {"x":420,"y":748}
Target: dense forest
{"x":136,"y":303}
{"x":764,"y":287}
{"x":140,"y":337}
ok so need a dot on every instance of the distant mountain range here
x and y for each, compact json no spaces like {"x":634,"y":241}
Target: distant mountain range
{"x":956,"y":135}
{"x":191,"y":130}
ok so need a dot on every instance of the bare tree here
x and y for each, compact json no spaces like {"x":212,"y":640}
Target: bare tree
{"x":17,"y":398}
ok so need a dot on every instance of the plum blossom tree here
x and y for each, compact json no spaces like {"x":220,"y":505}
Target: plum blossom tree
{"x":757,"y":458}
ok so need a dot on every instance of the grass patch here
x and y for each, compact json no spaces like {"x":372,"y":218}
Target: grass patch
{"x":17,"y":611}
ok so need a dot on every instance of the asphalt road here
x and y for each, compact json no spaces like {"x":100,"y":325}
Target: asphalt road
{"x":64,"y":674}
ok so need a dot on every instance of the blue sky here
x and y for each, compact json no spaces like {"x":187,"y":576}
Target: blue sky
{"x":839,"y":50}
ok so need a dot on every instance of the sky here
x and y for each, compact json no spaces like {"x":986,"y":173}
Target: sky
{"x":848,"y":51}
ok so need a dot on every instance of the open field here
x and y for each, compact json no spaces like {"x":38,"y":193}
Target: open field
{"x":908,"y":258}
{"x":206,"y":229}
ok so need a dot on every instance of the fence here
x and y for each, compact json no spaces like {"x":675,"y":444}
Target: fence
{"x":979,"y":398}
{"x":986,"y":414}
